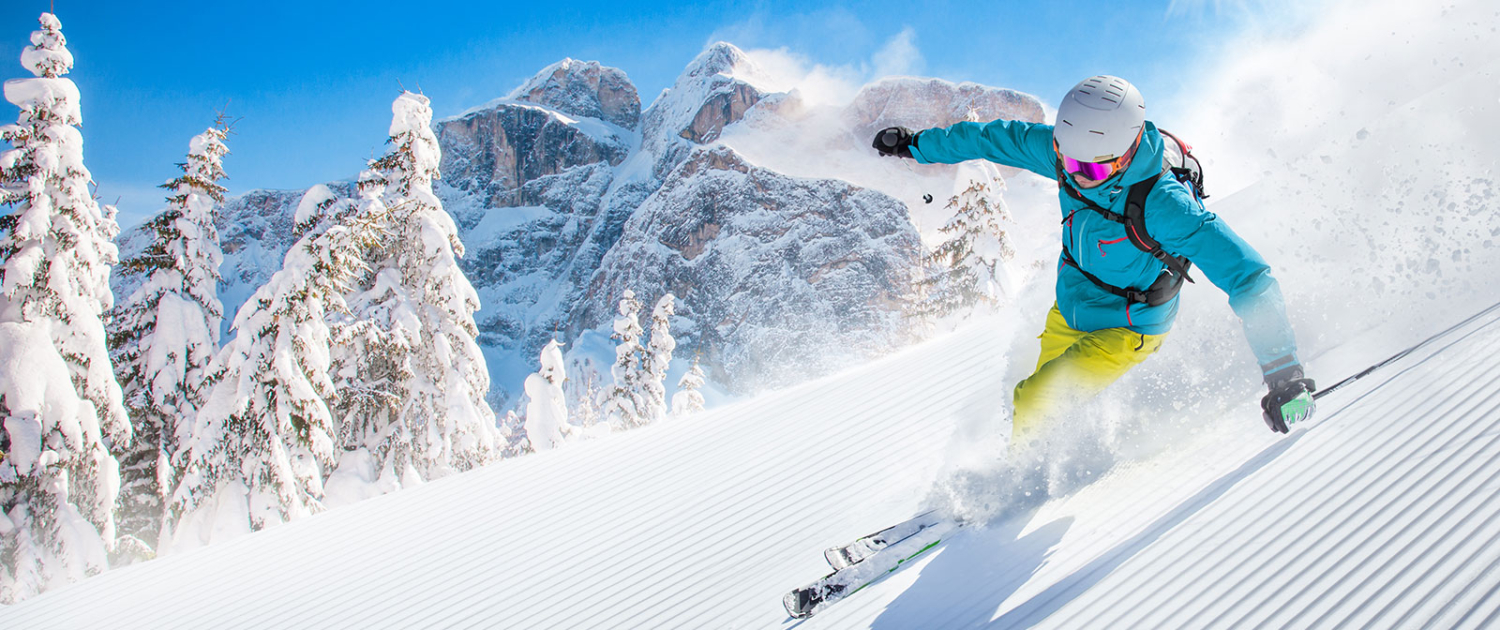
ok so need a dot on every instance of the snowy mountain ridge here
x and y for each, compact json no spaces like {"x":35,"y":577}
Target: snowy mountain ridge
{"x":544,"y":181}
{"x":583,"y":88}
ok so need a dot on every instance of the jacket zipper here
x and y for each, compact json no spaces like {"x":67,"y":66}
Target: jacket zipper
{"x":1077,"y":246}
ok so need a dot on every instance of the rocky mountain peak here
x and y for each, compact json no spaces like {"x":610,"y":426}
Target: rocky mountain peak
{"x":585,"y":89}
{"x":572,"y":113}
{"x":718,"y":58}
{"x":714,"y":91}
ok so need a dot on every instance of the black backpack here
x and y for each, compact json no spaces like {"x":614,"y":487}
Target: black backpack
{"x":1177,"y":161}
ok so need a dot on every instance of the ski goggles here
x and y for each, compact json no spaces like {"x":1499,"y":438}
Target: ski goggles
{"x":1096,"y":171}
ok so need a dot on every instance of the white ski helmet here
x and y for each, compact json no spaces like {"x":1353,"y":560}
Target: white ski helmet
{"x":1100,"y":119}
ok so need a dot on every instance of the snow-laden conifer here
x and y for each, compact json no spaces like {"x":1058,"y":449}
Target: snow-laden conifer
{"x":547,"y":411}
{"x":426,"y":295}
{"x":372,"y":353}
{"x":256,"y":454}
{"x":164,"y":334}
{"x":625,"y":404}
{"x":658,"y":357}
{"x":585,"y":393}
{"x":688,"y":400}
{"x":513,"y":435}
{"x":971,"y":261}
{"x":63,"y":417}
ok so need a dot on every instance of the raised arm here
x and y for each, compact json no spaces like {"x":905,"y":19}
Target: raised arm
{"x":1009,"y":142}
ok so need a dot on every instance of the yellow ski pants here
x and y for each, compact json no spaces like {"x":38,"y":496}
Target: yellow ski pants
{"x":1075,"y":366}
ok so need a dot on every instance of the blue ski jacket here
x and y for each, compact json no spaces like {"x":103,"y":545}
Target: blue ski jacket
{"x":1174,"y":217}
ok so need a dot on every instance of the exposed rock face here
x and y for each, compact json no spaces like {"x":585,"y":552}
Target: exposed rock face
{"x":784,"y":277}
{"x":715,"y":91}
{"x":724,"y":107}
{"x":586,"y":89}
{"x":492,"y":152}
{"x":530,"y":262}
{"x":258,"y":222}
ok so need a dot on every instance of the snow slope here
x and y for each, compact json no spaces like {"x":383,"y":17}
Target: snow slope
{"x":1382,"y":514}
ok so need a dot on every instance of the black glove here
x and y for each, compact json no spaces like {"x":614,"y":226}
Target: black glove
{"x":895,"y":141}
{"x":1289,"y":400}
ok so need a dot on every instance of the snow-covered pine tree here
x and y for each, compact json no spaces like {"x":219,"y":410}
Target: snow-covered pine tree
{"x":513,"y":435}
{"x":547,"y":411}
{"x":584,"y":392}
{"x":164,"y":335}
{"x":658,"y":358}
{"x":688,"y":400}
{"x":62,"y":414}
{"x":372,"y":354}
{"x":971,"y":261}
{"x":256,"y":453}
{"x":625,"y":405}
{"x":452,"y":426}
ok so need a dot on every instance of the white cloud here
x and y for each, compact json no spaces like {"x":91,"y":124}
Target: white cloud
{"x":823,"y":84}
{"x":899,"y":56}
{"x":816,"y":83}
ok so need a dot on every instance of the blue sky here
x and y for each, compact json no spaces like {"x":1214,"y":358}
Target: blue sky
{"x":312,"y":82}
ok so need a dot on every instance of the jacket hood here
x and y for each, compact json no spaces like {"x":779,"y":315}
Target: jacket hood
{"x":1147,"y":160}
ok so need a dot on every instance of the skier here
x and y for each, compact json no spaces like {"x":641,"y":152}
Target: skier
{"x":1115,"y":302}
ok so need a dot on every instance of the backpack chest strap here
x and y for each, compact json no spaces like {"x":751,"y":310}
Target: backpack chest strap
{"x":1134,"y":221}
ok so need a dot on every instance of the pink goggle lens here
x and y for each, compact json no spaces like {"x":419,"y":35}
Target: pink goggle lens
{"x":1092,"y":170}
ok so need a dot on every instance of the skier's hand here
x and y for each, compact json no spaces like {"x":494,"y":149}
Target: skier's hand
{"x":1290,"y":399}
{"x":895,"y":141}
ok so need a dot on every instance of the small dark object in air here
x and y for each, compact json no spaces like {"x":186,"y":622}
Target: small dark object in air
{"x":927,"y":198}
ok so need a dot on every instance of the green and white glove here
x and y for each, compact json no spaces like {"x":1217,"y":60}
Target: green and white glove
{"x":1290,"y":399}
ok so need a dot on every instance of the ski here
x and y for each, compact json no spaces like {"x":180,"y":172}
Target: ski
{"x":813,"y":598}
{"x":866,"y":546}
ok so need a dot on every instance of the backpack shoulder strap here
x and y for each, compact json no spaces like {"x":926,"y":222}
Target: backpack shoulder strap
{"x":1135,"y":226}
{"x":1135,"y":214}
